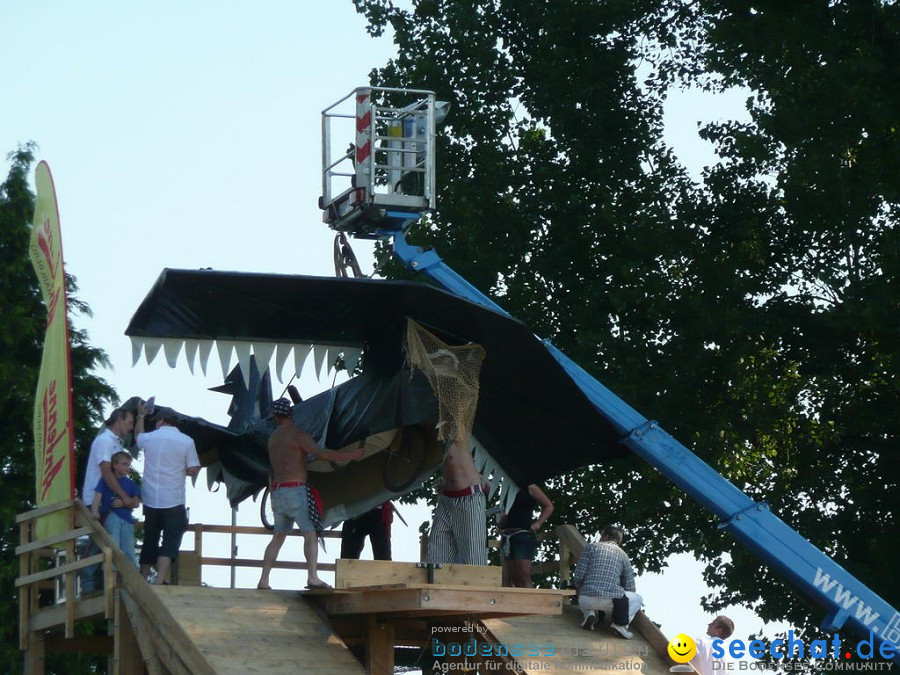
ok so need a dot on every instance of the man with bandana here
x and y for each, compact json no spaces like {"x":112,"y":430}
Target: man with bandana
{"x":289,"y":452}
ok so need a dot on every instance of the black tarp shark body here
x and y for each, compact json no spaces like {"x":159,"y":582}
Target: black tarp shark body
{"x":531,"y":423}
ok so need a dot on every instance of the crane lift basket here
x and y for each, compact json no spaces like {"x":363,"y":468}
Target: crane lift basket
{"x":387,"y":172}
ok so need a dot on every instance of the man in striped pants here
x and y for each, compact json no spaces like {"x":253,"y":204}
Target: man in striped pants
{"x":459,"y":524}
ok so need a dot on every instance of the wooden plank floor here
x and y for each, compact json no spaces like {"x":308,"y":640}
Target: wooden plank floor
{"x":575,"y":649}
{"x":250,"y":631}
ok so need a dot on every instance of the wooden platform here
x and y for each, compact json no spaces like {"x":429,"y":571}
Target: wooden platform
{"x":250,"y":631}
{"x":379,"y":609}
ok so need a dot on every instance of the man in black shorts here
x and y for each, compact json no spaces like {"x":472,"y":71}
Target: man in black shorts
{"x":518,"y":528}
{"x":169,"y":457}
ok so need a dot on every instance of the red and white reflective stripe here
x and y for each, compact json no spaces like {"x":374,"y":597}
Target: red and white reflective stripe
{"x":363,"y":129}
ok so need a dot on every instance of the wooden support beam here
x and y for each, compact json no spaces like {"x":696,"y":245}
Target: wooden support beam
{"x":127,"y":658}
{"x":70,"y":579}
{"x":23,"y":618}
{"x":35,"y":653}
{"x":70,"y":604}
{"x":109,"y":583}
{"x":571,"y":543}
{"x":367,"y":573}
{"x":24,"y":591}
{"x":198,"y":551}
{"x":188,"y":569}
{"x":379,"y":647}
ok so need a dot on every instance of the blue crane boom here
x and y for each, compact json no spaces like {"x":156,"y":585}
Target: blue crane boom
{"x":847,"y":600}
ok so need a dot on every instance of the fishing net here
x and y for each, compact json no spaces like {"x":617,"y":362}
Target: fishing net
{"x":452,"y":373}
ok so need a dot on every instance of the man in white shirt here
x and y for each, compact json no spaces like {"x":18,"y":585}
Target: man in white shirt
{"x":720,"y":627}
{"x":169,"y":456}
{"x":107,"y":443}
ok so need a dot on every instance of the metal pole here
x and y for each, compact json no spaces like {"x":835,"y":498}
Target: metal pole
{"x":233,"y":544}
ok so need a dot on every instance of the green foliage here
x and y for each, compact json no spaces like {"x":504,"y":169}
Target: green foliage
{"x":753,"y":313}
{"x":22,"y":323}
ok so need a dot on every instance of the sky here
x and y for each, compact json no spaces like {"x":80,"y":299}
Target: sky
{"x":187,"y":135}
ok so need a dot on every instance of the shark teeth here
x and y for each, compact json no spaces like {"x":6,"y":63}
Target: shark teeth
{"x":190,"y":353}
{"x":324,"y":356}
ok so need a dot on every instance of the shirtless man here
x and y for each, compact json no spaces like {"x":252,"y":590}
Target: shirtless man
{"x":288,"y":448}
{"x":459,"y":525}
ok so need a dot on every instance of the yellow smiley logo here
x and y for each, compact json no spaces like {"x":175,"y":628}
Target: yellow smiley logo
{"x":682,"y":648}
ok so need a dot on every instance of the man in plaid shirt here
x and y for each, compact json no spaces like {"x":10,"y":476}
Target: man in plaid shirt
{"x":604,"y":574}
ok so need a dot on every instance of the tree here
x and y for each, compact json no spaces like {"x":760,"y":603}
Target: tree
{"x":22,"y":324}
{"x":752,"y":313}
{"x":831,"y":201}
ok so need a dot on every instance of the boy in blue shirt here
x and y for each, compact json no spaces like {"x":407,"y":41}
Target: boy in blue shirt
{"x":118,"y":521}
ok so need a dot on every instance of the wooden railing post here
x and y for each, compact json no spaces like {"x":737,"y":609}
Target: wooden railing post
{"x":35,"y":653}
{"x":24,"y":591}
{"x":572,"y":543}
{"x":70,"y":579}
{"x":127,"y":656}
{"x":198,"y":547}
{"x":565,"y":571}
{"x":379,"y":646}
{"x":109,"y":583}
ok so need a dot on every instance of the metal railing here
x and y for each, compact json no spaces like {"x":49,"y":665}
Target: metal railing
{"x":378,"y":148}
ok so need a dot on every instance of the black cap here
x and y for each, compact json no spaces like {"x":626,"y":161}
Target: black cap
{"x":282,"y":407}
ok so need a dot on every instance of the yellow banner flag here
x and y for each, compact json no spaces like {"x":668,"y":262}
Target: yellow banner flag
{"x":53,"y":430}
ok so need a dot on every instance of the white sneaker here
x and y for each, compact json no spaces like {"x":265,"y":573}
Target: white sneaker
{"x":622,"y":631}
{"x":589,"y":621}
